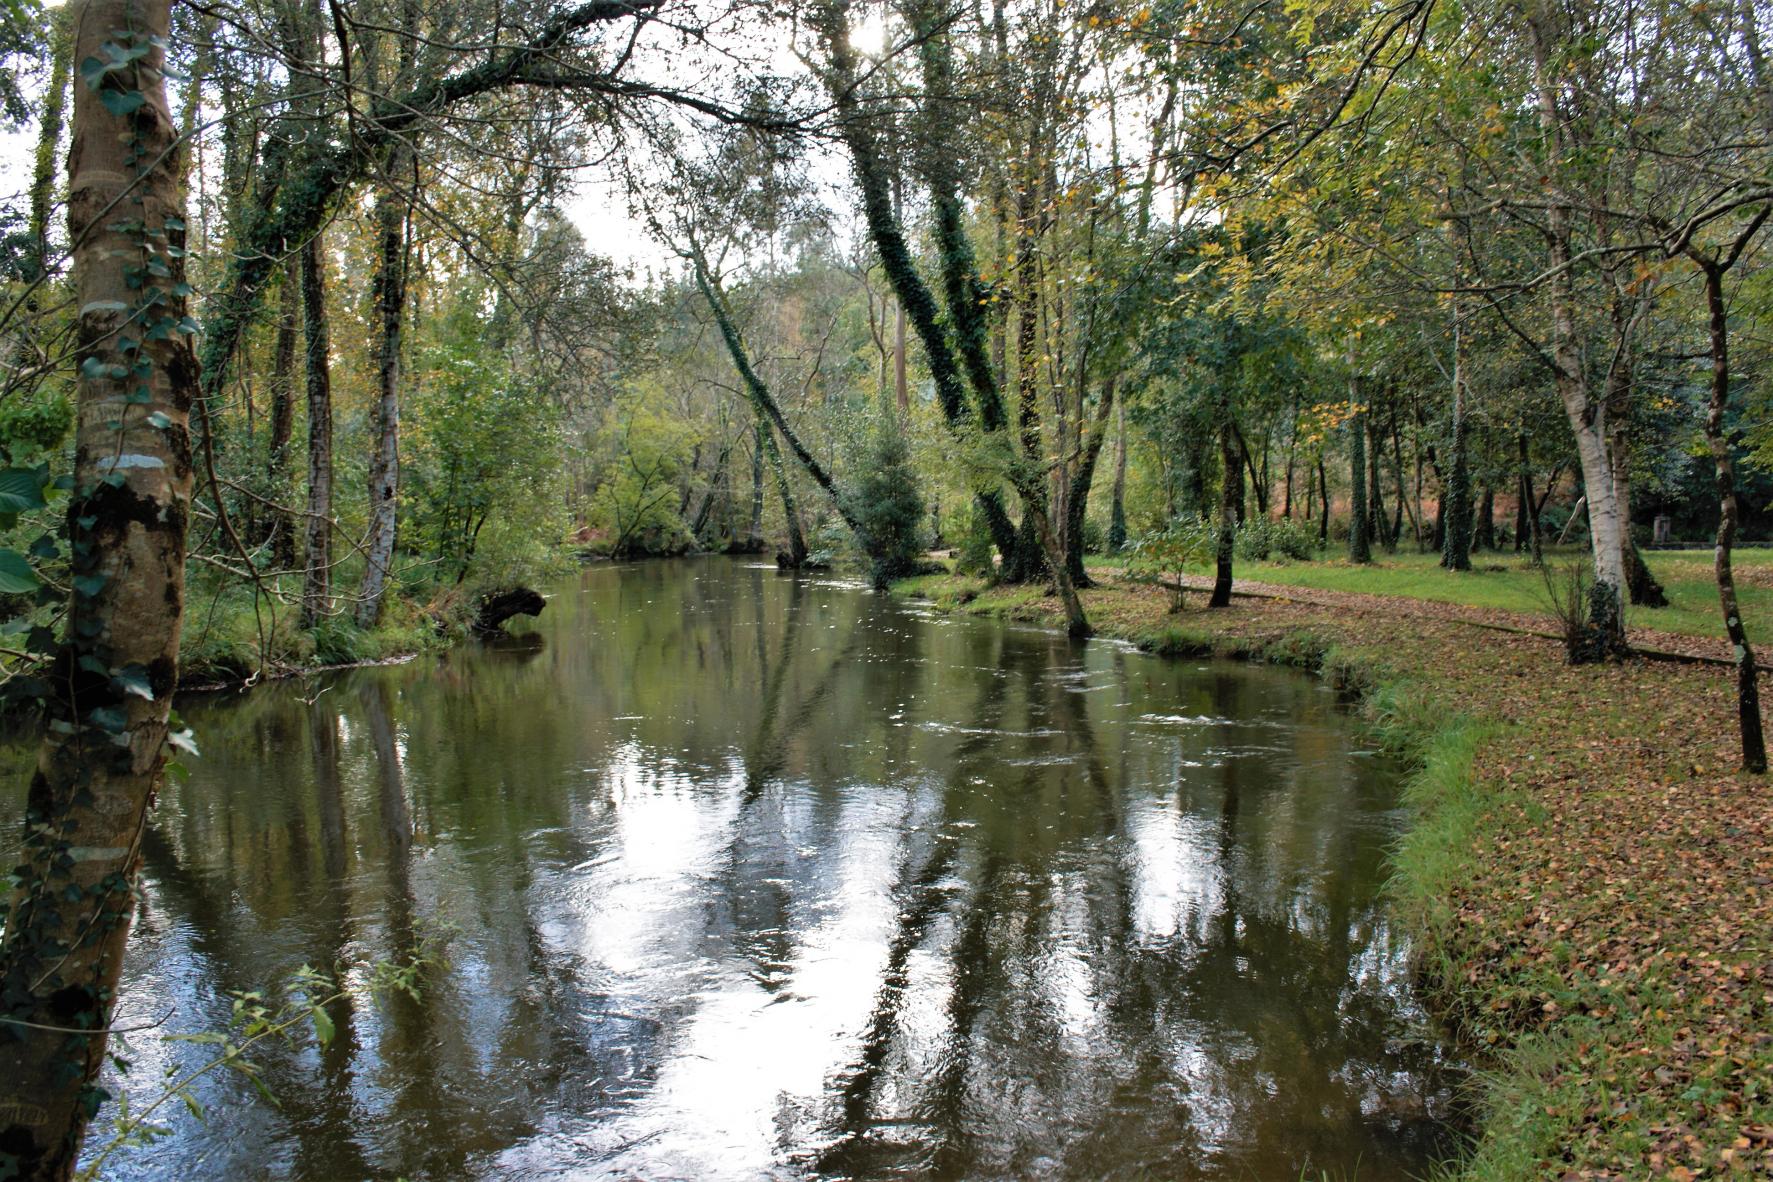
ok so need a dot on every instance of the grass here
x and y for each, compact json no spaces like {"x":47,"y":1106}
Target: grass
{"x":224,"y":640}
{"x":1509,"y":582}
{"x":1585,"y":872}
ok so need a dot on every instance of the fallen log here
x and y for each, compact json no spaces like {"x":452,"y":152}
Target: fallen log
{"x":499,"y":606}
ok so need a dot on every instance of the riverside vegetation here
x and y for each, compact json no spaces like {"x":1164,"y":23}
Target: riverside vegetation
{"x":323,"y":325}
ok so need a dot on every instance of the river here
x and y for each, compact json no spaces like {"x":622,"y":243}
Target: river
{"x":747,"y":876}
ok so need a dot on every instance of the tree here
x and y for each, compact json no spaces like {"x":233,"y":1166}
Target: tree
{"x":109,"y":694}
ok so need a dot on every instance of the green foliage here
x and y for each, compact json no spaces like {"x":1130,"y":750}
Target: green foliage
{"x":1162,"y":557}
{"x":1265,"y":539}
{"x":257,"y":1020}
{"x":888,"y":504}
{"x":634,"y":511}
{"x":974,"y":556}
{"x":483,"y":467}
{"x":35,"y":425}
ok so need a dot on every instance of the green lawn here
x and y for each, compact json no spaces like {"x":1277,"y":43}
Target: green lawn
{"x":1511,"y":583}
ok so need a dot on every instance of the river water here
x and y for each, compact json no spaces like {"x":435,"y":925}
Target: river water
{"x":747,"y":876}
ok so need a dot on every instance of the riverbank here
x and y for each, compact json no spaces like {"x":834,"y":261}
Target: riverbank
{"x":227,"y":644}
{"x":1589,"y":880}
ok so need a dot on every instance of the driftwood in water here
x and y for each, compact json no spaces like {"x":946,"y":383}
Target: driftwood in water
{"x":500,"y":606}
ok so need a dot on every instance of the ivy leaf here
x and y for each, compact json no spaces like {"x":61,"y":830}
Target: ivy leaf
{"x":183,"y":740}
{"x":323,"y":1027}
{"x":133,"y":679}
{"x":21,"y":490}
{"x":16,"y":575}
{"x":109,"y":719}
{"x":90,"y":585}
{"x":122,"y":102}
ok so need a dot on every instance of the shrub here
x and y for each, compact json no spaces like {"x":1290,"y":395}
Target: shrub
{"x":1167,"y":552}
{"x":888,"y":505}
{"x":975,"y":553}
{"x":1262,"y":538}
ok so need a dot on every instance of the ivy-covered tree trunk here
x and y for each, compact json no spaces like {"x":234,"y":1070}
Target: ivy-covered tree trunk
{"x":68,"y":914}
{"x":1230,"y":485}
{"x":392,"y":220}
{"x":1456,"y":496}
{"x":35,"y":263}
{"x":1748,"y":693}
{"x":762,"y":401}
{"x":1077,"y":500}
{"x":1323,"y":484}
{"x":1402,"y":508}
{"x":830,"y":18}
{"x":754,"y":530}
{"x":1483,"y":533}
{"x":317,"y":554}
{"x":1117,"y":499}
{"x":1359,"y":547}
{"x":795,"y":558}
{"x":1029,"y":562}
{"x":279,"y":525}
{"x":1381,"y":528}
{"x":384,"y":460}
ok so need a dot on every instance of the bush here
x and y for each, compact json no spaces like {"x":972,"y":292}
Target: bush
{"x":888,"y":505}
{"x":1165,"y":553}
{"x":975,"y":555}
{"x":1260,"y":539}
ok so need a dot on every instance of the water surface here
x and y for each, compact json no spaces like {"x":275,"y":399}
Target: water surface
{"x":747,"y":876}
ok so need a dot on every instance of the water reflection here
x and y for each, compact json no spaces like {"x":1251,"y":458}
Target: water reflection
{"x":758,"y":877}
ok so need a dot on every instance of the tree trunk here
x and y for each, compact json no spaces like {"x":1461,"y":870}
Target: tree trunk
{"x":35,"y":264}
{"x":1229,"y":486}
{"x":1117,"y":505}
{"x":1029,"y":563}
{"x":754,"y":531}
{"x":317,"y":557}
{"x":1359,"y":550}
{"x":1402,"y":507}
{"x":913,"y":294}
{"x":1375,"y":485}
{"x":1483,"y":535}
{"x":384,"y":460}
{"x":1748,"y":694}
{"x":1077,"y":500}
{"x":73,"y":897}
{"x":1323,"y":484}
{"x":765,"y":403}
{"x":795,"y":558}
{"x":1456,"y":493}
{"x":1587,"y":418}
{"x":279,"y":526}
{"x":499,"y":606}
{"x":901,"y":385}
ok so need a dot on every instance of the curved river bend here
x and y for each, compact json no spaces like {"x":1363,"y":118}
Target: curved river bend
{"x":753,"y":877}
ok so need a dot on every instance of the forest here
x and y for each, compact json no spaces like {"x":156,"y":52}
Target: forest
{"x":329,"y":327}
